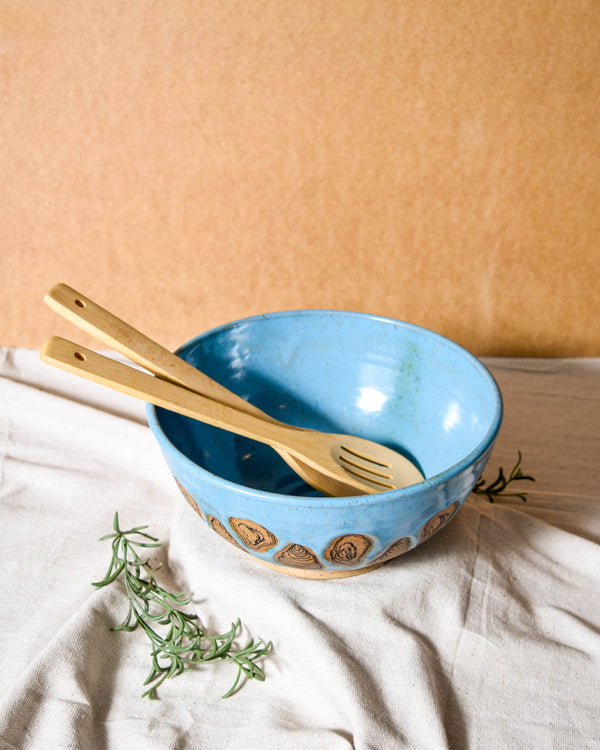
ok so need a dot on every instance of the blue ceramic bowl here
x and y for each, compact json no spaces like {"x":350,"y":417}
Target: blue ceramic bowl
{"x":382,"y":379}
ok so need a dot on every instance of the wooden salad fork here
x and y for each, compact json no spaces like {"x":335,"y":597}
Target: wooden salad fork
{"x":334,"y":464}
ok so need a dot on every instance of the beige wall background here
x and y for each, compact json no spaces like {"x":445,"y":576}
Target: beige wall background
{"x":185,"y":163}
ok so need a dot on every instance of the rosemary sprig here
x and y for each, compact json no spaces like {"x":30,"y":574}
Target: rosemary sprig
{"x":178,"y":640}
{"x":499,"y":485}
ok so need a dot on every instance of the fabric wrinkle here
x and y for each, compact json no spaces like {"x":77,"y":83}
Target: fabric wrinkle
{"x":486,"y":636}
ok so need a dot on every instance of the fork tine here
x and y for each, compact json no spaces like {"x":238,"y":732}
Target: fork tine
{"x":365,"y":456}
{"x":370,"y":479}
{"x":367,"y":465}
{"x":375,"y":466}
{"x":361,"y":466}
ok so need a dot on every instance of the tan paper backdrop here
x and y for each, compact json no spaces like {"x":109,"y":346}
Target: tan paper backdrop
{"x":189,"y":162}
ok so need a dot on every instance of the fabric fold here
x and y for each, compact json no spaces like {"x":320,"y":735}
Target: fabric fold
{"x":487,"y":635}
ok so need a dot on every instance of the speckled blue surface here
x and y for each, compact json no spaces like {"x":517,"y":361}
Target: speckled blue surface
{"x":386,"y":380}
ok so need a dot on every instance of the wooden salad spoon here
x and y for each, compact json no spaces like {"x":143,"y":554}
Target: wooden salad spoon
{"x":365,"y":466}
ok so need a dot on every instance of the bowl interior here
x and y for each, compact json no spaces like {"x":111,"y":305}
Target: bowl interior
{"x":385,"y":380}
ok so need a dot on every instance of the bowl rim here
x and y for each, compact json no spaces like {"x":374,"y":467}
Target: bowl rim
{"x":353,"y":500}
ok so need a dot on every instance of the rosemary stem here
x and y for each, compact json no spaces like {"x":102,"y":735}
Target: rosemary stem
{"x":176,"y":636}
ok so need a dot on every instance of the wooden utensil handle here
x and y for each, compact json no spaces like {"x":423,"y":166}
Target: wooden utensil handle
{"x":81,"y":361}
{"x":119,"y":335}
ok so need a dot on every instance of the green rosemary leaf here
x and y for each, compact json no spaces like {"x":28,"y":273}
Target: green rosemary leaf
{"x":178,"y":599}
{"x":178,"y":639}
{"x":502,"y":482}
{"x":145,"y":544}
{"x":113,"y":573}
{"x":125,"y":627}
{"x":139,"y":530}
{"x":233,"y":688}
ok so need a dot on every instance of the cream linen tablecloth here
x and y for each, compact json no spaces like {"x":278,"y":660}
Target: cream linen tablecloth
{"x":487,"y":636}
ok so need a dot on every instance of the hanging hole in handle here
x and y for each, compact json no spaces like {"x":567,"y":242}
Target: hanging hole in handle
{"x":80,"y":303}
{"x":79,"y":356}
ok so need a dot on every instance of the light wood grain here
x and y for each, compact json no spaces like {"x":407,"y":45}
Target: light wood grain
{"x":108,"y":328}
{"x":374,"y":467}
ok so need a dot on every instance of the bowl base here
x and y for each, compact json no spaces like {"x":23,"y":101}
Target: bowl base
{"x":318,"y":574}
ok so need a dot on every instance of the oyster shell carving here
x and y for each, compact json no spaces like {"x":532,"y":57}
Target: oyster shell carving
{"x":253,"y":535}
{"x":298,"y":556}
{"x":436,"y":522}
{"x":217,"y":526}
{"x":397,"y":548}
{"x":190,"y":499}
{"x":348,"y":549}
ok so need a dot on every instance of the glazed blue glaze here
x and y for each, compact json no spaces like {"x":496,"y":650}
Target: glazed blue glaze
{"x":390,"y":381}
